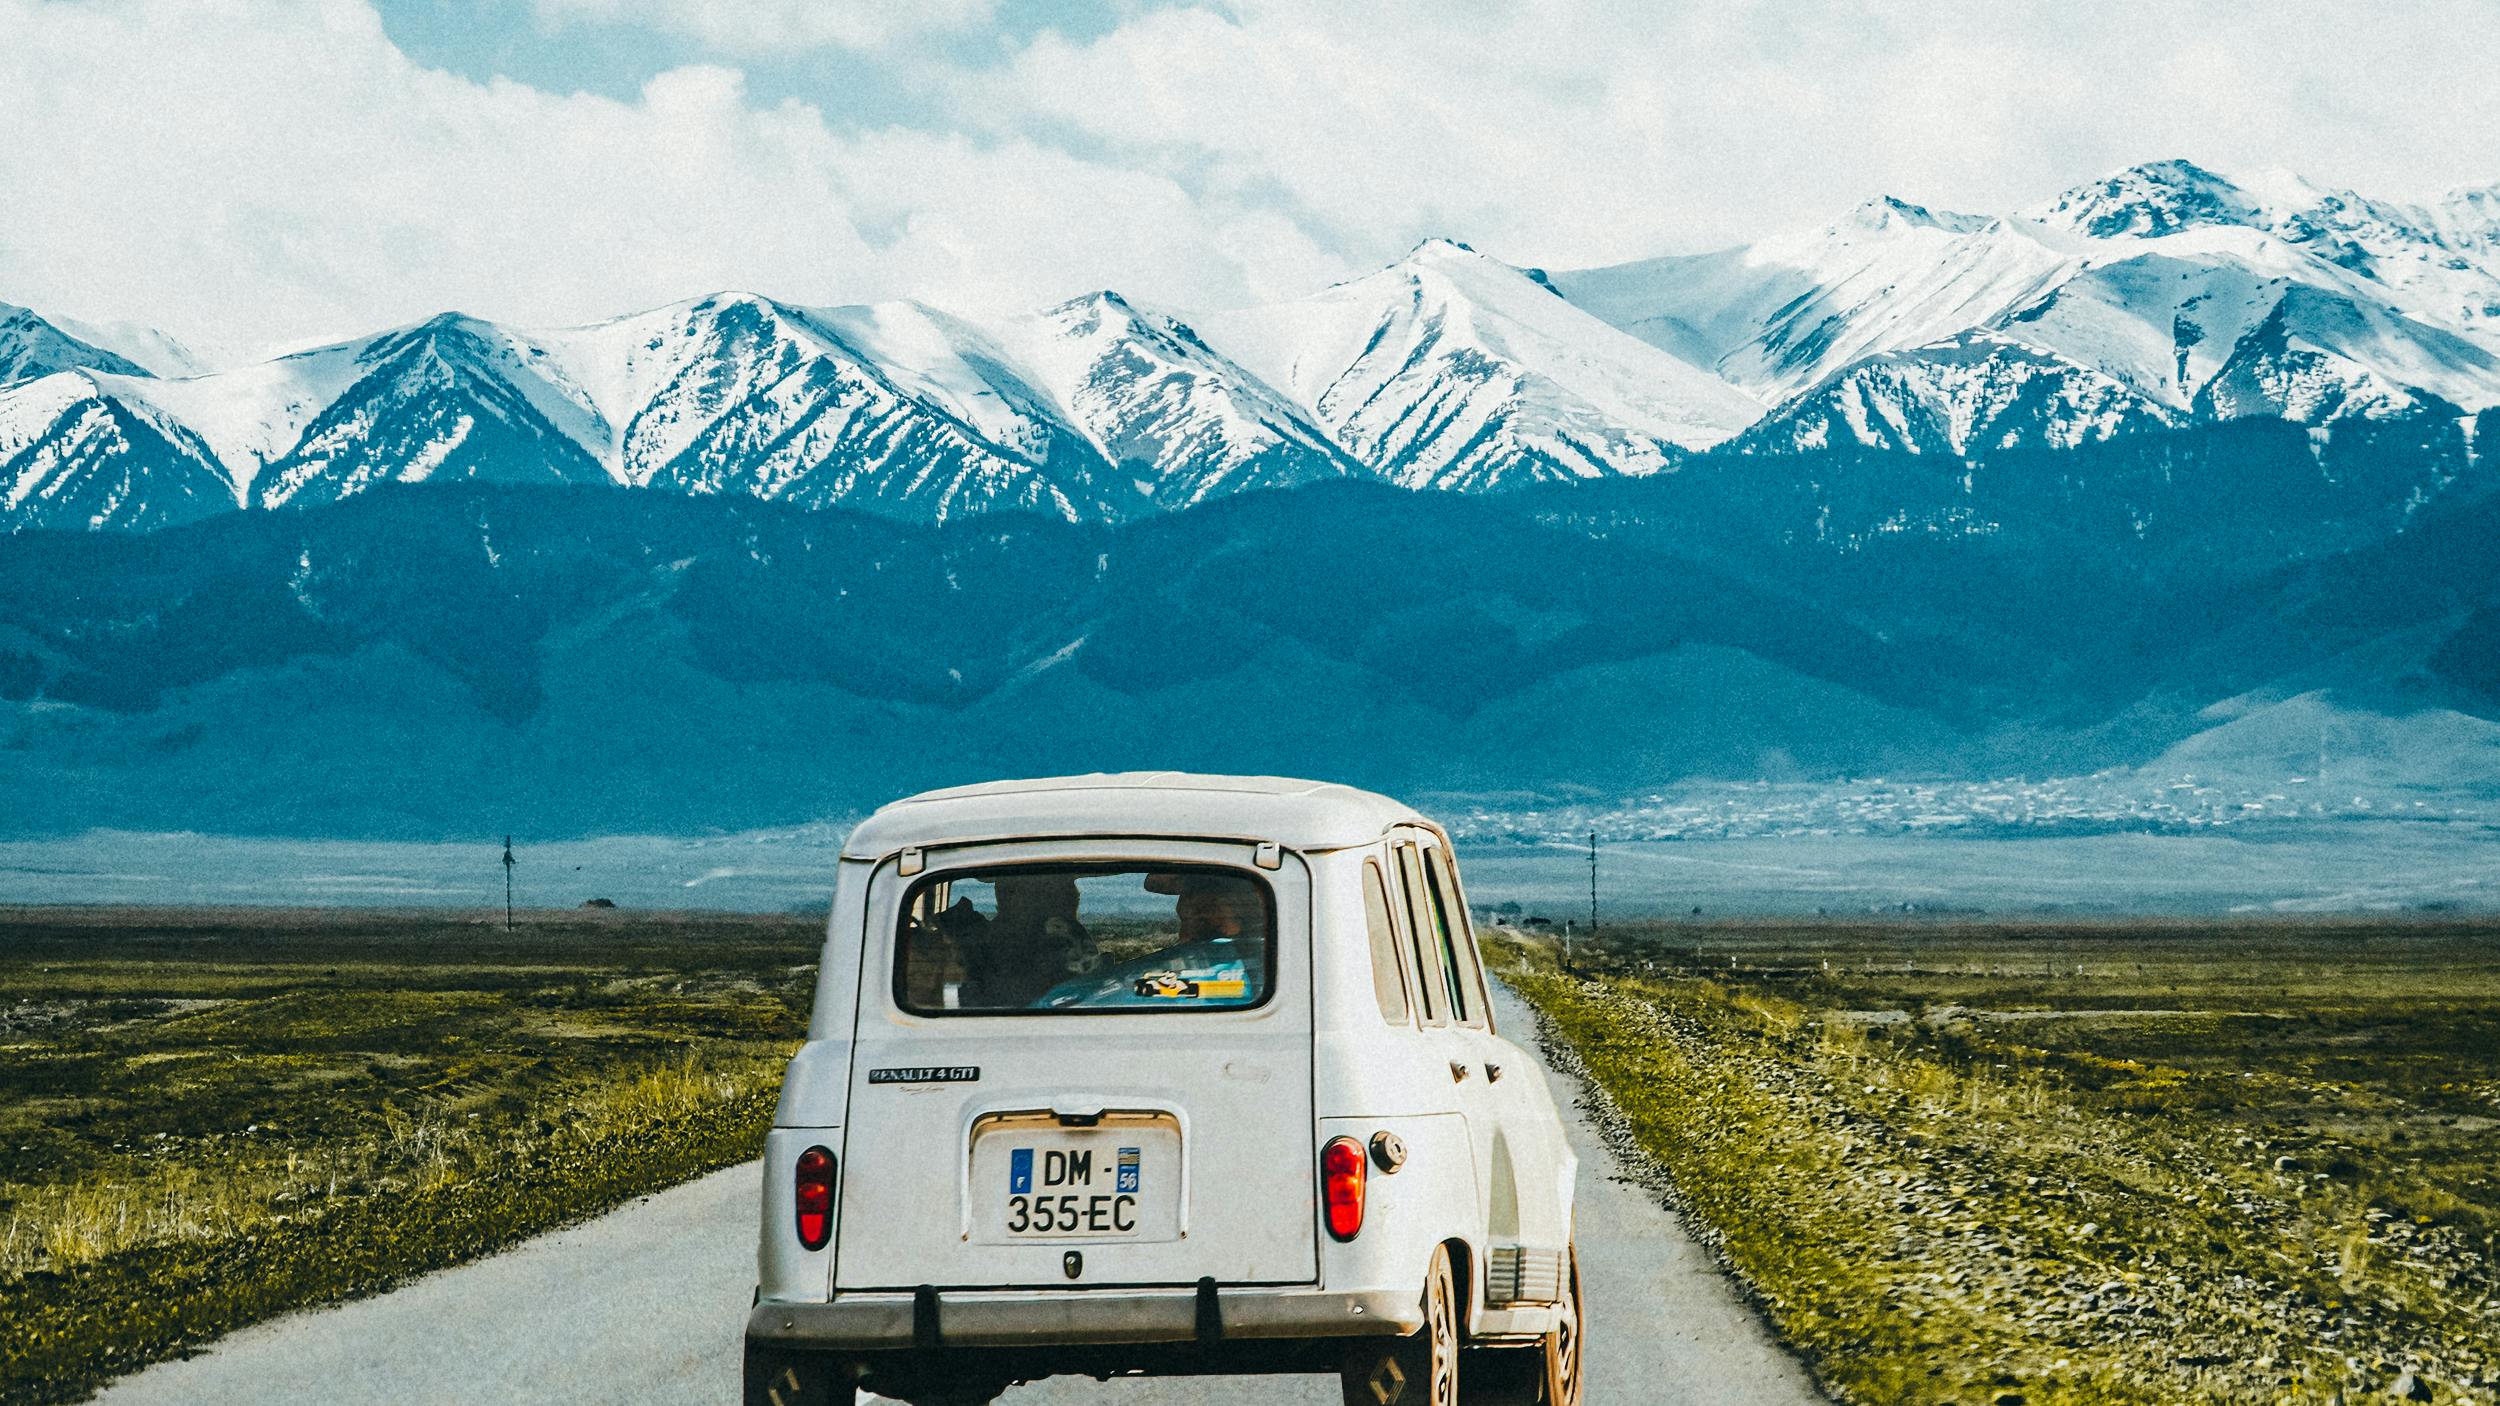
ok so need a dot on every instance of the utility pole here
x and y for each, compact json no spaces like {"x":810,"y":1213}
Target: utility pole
{"x":1592,"y":885}
{"x":507,"y":883}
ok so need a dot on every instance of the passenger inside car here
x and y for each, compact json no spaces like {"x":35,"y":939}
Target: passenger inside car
{"x":1045,"y":939}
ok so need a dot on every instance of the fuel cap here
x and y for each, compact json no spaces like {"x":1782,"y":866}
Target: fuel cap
{"x":1389,"y":1150}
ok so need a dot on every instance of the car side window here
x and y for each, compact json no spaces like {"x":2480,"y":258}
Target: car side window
{"x":1428,"y":975}
{"x":1441,"y":935}
{"x":1468,"y":971}
{"x":1388,"y":971}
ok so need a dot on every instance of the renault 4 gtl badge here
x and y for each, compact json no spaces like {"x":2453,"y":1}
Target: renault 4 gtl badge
{"x":927,"y":1074}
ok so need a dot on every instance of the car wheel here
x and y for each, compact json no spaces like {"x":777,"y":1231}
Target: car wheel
{"x":1420,"y":1369}
{"x":776,"y":1378}
{"x":1563,"y":1346}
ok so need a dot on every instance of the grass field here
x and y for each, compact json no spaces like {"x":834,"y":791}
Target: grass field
{"x":1958,"y":1163}
{"x":2118,"y":1163}
{"x":207,"y":1118}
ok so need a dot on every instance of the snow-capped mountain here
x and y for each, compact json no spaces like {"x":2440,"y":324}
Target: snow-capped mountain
{"x":1178,"y":417}
{"x":2163,"y":296}
{"x":74,"y":454}
{"x":453,"y":397}
{"x":1967,"y":394}
{"x":33,"y":346}
{"x":2204,"y":297}
{"x":1779,"y":317}
{"x":897,"y":408}
{"x":1450,"y":369}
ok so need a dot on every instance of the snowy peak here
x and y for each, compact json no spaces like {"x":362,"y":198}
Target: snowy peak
{"x":2149,"y":201}
{"x":1450,"y":369}
{"x":1441,"y":249}
{"x":955,"y":368}
{"x":1969,"y":394}
{"x":452,"y":397}
{"x":2441,"y":261}
{"x":1170,"y":412}
{"x":895,"y":408}
{"x":1780,"y":317}
{"x":32,"y":346}
{"x":2156,"y":278}
{"x":1887,"y":212}
{"x":2318,"y":358}
{"x":75,"y":455}
{"x":2163,"y":295}
{"x":657,"y":380}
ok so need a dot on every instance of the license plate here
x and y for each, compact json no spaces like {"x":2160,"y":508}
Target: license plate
{"x":1074,"y":1191}
{"x":1113,"y":1183}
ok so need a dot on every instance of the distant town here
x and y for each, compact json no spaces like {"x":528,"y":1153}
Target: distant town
{"x":2108,"y":801}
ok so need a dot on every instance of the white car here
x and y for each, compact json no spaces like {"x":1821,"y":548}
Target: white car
{"x":1162,"y":1074}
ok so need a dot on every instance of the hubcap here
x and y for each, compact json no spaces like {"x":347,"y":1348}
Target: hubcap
{"x":1567,"y":1344}
{"x":1444,"y":1347}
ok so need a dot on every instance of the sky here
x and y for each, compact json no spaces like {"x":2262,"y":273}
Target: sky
{"x":249,"y":174}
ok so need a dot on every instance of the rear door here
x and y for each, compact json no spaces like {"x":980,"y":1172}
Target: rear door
{"x":1445,"y":959}
{"x":1082,"y":1064}
{"x":1525,"y":1164}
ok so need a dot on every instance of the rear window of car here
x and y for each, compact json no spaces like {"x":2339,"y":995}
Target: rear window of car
{"x":1072,"y":939}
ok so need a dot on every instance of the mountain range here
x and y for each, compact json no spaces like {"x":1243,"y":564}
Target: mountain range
{"x":2170,"y":476}
{"x":2165,"y":296}
{"x":440,"y":659}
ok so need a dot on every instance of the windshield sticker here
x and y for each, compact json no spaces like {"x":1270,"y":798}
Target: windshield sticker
{"x":1228,"y":982}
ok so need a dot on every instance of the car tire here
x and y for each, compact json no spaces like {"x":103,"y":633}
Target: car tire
{"x":1420,"y":1369}
{"x":777,"y":1378}
{"x":1565,"y":1345}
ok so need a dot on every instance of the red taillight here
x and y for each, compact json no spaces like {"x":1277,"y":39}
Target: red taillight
{"x":815,"y":1197}
{"x":1341,"y":1186}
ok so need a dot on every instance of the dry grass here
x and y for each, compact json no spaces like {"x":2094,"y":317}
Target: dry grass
{"x":2075,"y":1166}
{"x":207,"y":1118}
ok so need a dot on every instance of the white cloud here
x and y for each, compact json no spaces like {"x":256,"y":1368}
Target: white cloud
{"x":779,"y":26}
{"x":250,"y":172}
{"x":236,"y":170}
{"x":1568,"y":133}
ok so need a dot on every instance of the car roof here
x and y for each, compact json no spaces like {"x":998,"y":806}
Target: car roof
{"x":1301,"y":815}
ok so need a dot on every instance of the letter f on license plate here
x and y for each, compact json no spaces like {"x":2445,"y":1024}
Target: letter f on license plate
{"x":1020,"y":1171}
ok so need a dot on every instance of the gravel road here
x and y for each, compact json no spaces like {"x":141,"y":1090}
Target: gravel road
{"x":643,"y":1307}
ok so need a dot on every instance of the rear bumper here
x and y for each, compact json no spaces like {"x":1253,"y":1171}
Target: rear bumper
{"x":1079,"y":1317}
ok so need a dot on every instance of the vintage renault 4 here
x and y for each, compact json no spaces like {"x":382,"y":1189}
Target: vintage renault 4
{"x":1160,"y":1074}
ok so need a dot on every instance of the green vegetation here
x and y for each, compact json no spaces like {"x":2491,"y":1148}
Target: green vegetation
{"x":209,"y":1118}
{"x":2099,"y":1164}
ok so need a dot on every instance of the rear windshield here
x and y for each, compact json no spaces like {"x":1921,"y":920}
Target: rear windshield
{"x":1073,"y":938}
